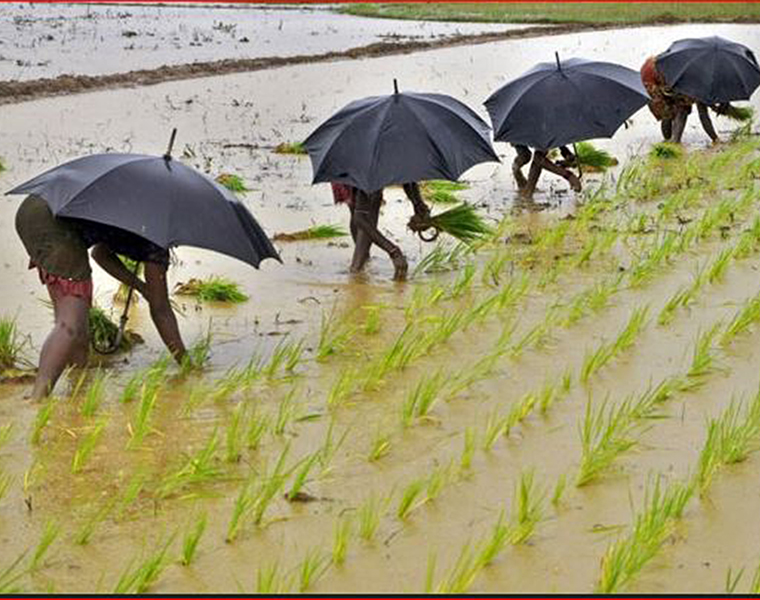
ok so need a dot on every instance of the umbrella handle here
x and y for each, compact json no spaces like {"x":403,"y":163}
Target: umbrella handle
{"x":432,"y":238}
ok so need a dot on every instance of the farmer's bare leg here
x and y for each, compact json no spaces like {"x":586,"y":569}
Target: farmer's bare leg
{"x":364,"y":216}
{"x":566,"y":174}
{"x":523,"y":158}
{"x":65,"y":345}
{"x":362,"y":242}
{"x":707,"y":125}
{"x":533,"y":174}
{"x":666,"y":126}
{"x":679,"y":124}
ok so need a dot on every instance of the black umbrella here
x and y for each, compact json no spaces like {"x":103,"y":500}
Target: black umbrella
{"x":713,"y":70}
{"x":559,"y":103}
{"x":399,"y":138}
{"x":155,"y":197}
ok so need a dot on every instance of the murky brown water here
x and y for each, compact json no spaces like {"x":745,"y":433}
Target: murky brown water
{"x":215,"y":117}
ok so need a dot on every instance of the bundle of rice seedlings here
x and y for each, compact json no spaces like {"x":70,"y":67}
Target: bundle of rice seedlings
{"x":462,"y":222}
{"x":442,"y":191}
{"x":592,"y":158}
{"x":214,"y":289}
{"x":316,"y":232}
{"x":666,"y":150}
{"x":739,"y":113}
{"x":11,"y":343}
{"x":290,"y":148}
{"x":103,"y":331}
{"x":232,"y":182}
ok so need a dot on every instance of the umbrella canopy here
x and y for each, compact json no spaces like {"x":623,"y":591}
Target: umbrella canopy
{"x":399,"y":138}
{"x":559,"y":103}
{"x":712,"y":69}
{"x":157,"y":198}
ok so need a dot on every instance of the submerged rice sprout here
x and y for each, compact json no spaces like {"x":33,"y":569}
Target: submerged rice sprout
{"x":334,"y":335}
{"x":443,"y":257}
{"x":652,"y":527}
{"x":703,"y":356}
{"x":85,"y":532}
{"x":559,"y":490}
{"x":495,"y":542}
{"x":11,"y":574}
{"x":258,"y":425}
{"x":41,"y":420}
{"x":605,"y":434}
{"x":342,"y":387}
{"x":529,"y":500}
{"x":130,"y":495}
{"x":232,"y":182}
{"x":286,"y":412}
{"x":327,"y":452}
{"x":197,"y":468}
{"x":496,"y":425}
{"x":146,"y":573}
{"x":592,"y":299}
{"x":285,"y":358}
{"x":197,"y":355}
{"x":742,"y":321}
{"x":313,"y":566}
{"x":5,"y":482}
{"x":234,"y":434}
{"x":11,"y":343}
{"x":420,"y":401}
{"x":341,"y":535}
{"x":380,"y":446}
{"x":87,"y":445}
{"x":717,"y":269}
{"x":5,"y":434}
{"x":94,"y":396}
{"x":410,"y":498}
{"x":460,"y":575}
{"x":372,"y":321}
{"x":269,"y":579}
{"x":192,"y":538}
{"x":49,"y":535}
{"x":468,"y":449}
{"x":731,"y":437}
{"x":213,"y":289}
{"x":299,"y":478}
{"x":368,"y":516}
{"x":140,"y":425}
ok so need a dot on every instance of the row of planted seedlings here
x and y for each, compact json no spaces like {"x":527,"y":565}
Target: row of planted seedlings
{"x":464,"y":278}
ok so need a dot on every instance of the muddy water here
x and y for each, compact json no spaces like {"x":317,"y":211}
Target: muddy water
{"x":231,"y":123}
{"x":47,"y":40}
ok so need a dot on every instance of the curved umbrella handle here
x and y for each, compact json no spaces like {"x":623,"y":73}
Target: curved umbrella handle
{"x":432,"y":238}
{"x":116,"y":344}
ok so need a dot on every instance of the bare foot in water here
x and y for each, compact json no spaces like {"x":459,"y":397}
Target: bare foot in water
{"x":400,"y":265}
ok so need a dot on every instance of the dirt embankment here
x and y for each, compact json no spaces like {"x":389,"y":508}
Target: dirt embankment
{"x":22,"y":91}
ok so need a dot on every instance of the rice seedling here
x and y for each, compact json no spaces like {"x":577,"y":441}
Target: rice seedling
{"x":258,"y":425}
{"x":443,"y":257}
{"x":742,"y":321}
{"x":315,"y":232}
{"x":232,"y":182}
{"x":213,"y":289}
{"x":131,"y":390}
{"x":313,"y":566}
{"x":380,"y":446}
{"x":11,"y":343}
{"x":5,"y":482}
{"x":730,"y":439}
{"x":139,"y":426}
{"x":754,"y":586}
{"x":233,"y":435}
{"x":420,"y":401}
{"x":681,"y":298}
{"x":5,"y":434}
{"x":290,"y":148}
{"x":286,"y":413}
{"x":103,"y":331}
{"x":94,"y":396}
{"x":368,"y":516}
{"x":717,"y":269}
{"x":529,"y":500}
{"x":495,"y":542}
{"x":536,"y":336}
{"x":146,"y":573}
{"x":441,"y":191}
{"x":269,"y":580}
{"x":468,"y":450}
{"x":461,"y":575}
{"x":197,"y":355}
{"x":410,"y":499}
{"x":592,"y":299}
{"x":11,"y":574}
{"x":372,"y":322}
{"x":496,"y":425}
{"x":49,"y":535}
{"x":652,"y":527}
{"x":341,"y":535}
{"x":197,"y":468}
{"x":86,"y":446}
{"x":605,"y":434}
{"x":592,"y":158}
{"x":551,"y":392}
{"x":607,"y":351}
{"x":666,"y":150}
{"x":733,"y":581}
{"x":559,"y":490}
{"x":437,"y":481}
{"x":299,"y":478}
{"x":703,"y":356}
{"x":463,"y":283}
{"x":192,"y":538}
{"x":329,"y":449}
{"x":86,"y":531}
{"x":334,"y":335}
{"x":342,"y":387}
{"x":462,"y":222}
{"x":661,"y":251}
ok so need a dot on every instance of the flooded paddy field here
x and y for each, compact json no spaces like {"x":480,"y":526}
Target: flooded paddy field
{"x":531,"y":416}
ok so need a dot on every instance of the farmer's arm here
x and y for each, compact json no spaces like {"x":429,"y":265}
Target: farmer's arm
{"x":111,"y":264}
{"x":412,"y":191}
{"x":161,"y":312}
